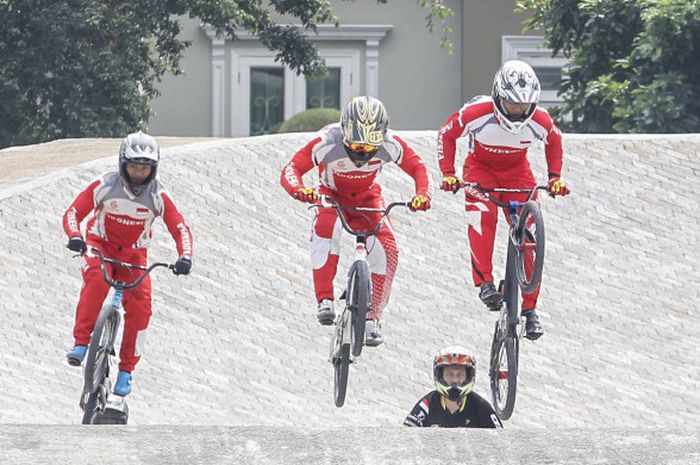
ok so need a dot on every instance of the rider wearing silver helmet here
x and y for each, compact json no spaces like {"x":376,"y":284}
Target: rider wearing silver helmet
{"x":122,"y":205}
{"x":138,"y":149}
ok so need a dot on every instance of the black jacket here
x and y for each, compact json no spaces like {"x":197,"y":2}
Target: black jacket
{"x":474,"y":412}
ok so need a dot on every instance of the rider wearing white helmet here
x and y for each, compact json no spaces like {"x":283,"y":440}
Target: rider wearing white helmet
{"x":453,"y":403}
{"x":500,"y":127}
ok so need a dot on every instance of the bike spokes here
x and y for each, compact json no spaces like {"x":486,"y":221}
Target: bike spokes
{"x":528,"y":239}
{"x":504,"y":375}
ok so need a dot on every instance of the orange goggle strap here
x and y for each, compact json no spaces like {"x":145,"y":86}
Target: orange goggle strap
{"x":357,"y":147}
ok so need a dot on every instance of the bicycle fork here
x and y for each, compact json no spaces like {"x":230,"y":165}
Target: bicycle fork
{"x":510,"y":318}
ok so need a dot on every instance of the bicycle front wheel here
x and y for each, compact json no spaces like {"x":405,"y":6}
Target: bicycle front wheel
{"x":341,"y":367}
{"x":89,"y":407}
{"x":529,"y":246}
{"x":97,"y":365}
{"x":503,"y":372}
{"x":359,"y":296}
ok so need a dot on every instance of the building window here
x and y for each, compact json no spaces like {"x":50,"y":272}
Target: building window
{"x":266,"y":100}
{"x":264,"y":95}
{"x":324,"y":92}
{"x":351,"y":52}
{"x":548,"y":68}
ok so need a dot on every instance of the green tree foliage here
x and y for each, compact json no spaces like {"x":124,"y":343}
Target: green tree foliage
{"x":310,"y":120}
{"x":75,"y":68}
{"x":88,"y":68}
{"x":634,"y":63}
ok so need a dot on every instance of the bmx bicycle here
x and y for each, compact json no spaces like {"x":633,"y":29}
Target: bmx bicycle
{"x":349,"y":333}
{"x":95,"y":398}
{"x":523,"y":273}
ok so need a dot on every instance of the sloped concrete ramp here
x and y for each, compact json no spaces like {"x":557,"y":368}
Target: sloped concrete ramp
{"x":167,"y":445}
{"x":236,"y":343}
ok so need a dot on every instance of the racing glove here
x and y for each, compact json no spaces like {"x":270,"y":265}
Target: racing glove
{"x":450,"y":184}
{"x":420,"y":202}
{"x":77,"y":244}
{"x":306,"y":194}
{"x":557,"y":187}
{"x":183,"y":265}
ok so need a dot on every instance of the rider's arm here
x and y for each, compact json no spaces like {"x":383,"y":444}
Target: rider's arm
{"x":411,"y":163}
{"x":459,"y":125}
{"x":419,"y":413}
{"x":553,"y":149}
{"x":302,"y":162}
{"x":79,"y":209}
{"x":175,"y":223}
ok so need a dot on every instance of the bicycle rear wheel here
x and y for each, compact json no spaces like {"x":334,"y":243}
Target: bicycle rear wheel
{"x":341,"y":367}
{"x":503,"y":372}
{"x":358,"y":300}
{"x":97,"y":365}
{"x":529,"y":246}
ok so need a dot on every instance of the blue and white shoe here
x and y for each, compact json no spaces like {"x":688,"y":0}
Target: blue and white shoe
{"x":123,"y":385}
{"x":76,"y":355}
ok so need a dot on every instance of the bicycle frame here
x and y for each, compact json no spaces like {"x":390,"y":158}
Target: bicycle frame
{"x":350,"y":326}
{"x":361,"y":237}
{"x":505,"y":346}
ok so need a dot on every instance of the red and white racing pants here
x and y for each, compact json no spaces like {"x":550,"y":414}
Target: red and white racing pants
{"x":482,"y":216}
{"x":136,"y":302}
{"x":382,"y":252}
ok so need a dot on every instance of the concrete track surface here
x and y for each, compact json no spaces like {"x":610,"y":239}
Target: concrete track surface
{"x":235,"y":357}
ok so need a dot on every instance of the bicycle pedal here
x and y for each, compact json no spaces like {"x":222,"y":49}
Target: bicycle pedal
{"x":495,"y":307}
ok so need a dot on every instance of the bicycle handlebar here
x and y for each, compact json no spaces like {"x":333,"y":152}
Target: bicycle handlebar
{"x":121,"y":284}
{"x":486,"y":192}
{"x":328,"y":202}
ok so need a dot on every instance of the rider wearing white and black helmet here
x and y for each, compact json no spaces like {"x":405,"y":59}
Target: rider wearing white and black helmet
{"x":453,"y":403}
{"x":515,"y":94}
{"x":501,"y":128}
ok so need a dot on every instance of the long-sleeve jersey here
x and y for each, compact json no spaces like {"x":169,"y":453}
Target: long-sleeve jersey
{"x":474,"y":412}
{"x":493,"y":146}
{"x":338,"y":173}
{"x":125,"y":220}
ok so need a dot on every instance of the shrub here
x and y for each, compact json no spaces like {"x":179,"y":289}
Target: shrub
{"x":310,"y":120}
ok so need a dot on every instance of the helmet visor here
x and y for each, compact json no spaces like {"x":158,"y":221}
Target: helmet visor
{"x":142,"y":161}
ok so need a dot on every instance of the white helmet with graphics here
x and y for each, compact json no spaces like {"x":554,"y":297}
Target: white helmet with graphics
{"x":517,"y":83}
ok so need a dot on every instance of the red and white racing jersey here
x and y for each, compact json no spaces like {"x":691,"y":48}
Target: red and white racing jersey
{"x":125,"y":220}
{"x":493,"y":146}
{"x":338,"y":173}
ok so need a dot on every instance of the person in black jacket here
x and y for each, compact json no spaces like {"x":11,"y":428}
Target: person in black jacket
{"x":453,"y":404}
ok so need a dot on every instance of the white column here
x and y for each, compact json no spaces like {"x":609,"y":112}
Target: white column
{"x":218,"y":91}
{"x":372,"y":67}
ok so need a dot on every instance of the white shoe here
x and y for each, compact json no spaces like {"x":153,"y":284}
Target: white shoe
{"x":326,"y":312}
{"x":373,"y":333}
